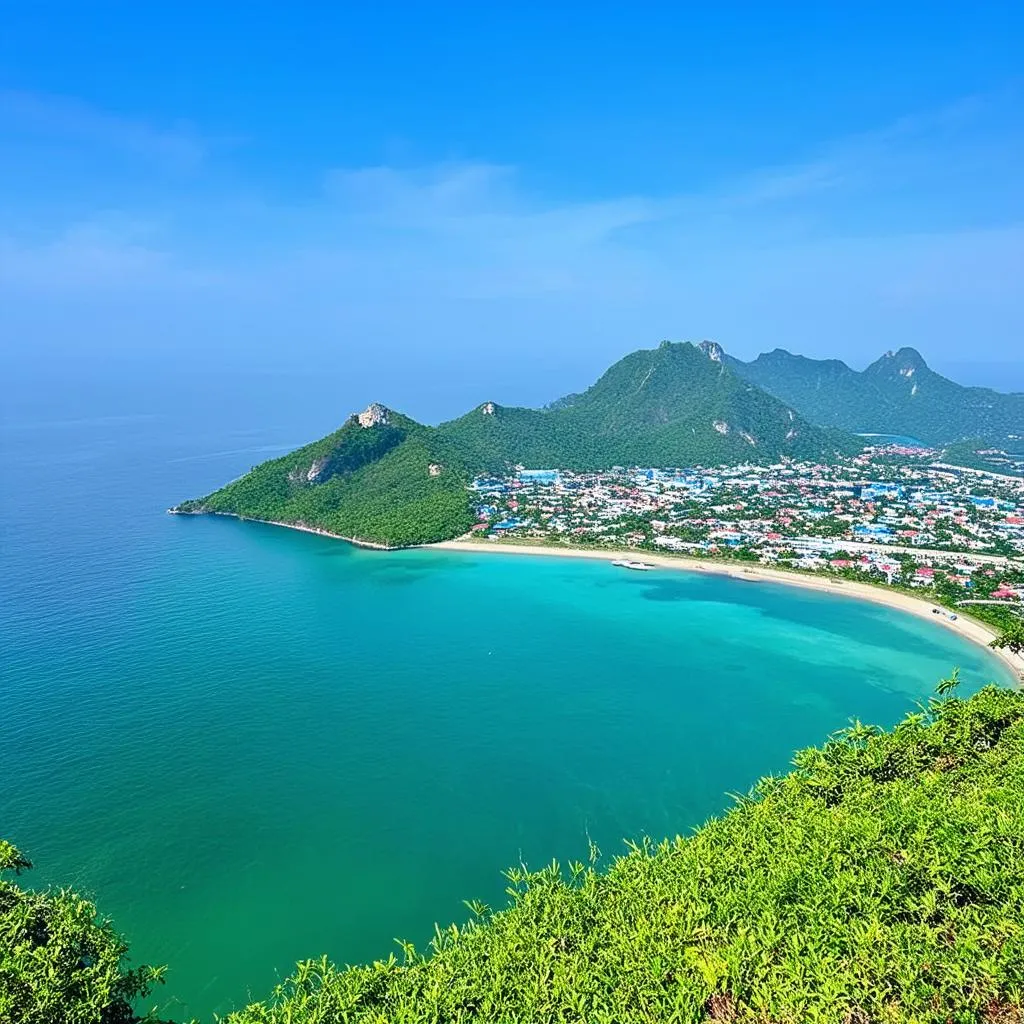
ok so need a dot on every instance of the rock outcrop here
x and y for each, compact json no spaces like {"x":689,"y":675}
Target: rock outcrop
{"x":373,"y":415}
{"x":712,"y":350}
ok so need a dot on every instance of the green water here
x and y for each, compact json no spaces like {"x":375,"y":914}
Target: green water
{"x":252,"y":745}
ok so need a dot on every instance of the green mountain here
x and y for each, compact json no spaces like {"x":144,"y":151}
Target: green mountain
{"x":381,"y":478}
{"x":668,"y":406}
{"x":896,"y":394}
{"x":384,"y":478}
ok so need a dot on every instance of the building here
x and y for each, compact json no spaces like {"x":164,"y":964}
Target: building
{"x":871,"y":531}
{"x":485,"y":484}
{"x":510,"y":524}
{"x":538,"y":476}
{"x":870,"y":492}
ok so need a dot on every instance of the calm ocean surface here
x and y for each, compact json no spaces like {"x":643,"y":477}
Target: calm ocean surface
{"x":252,"y":745}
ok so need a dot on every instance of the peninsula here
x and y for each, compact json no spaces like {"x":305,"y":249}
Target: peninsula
{"x":678,"y":451}
{"x":384,"y":478}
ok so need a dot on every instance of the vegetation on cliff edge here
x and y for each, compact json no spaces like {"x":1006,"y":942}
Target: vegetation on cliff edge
{"x":395,"y":483}
{"x":59,"y":961}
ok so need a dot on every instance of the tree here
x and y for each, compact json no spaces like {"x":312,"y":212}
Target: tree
{"x":59,"y":961}
{"x":1011,"y":638}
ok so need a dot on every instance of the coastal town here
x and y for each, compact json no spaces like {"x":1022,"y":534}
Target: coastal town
{"x":890,"y":515}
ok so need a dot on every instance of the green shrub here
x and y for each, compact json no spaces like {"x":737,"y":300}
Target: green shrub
{"x":1011,"y":637}
{"x":59,"y":963}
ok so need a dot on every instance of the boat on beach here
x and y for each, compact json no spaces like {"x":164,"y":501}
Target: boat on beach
{"x":629,"y":563}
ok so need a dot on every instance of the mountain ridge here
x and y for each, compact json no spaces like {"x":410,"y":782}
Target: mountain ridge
{"x":384,"y":478}
{"x":896,"y":394}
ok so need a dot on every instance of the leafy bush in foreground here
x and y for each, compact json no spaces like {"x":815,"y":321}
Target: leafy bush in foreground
{"x":58,"y":962}
{"x":881,"y":881}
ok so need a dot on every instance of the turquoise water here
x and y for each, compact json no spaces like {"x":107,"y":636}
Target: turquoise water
{"x":903,"y":439}
{"x":253,"y":745}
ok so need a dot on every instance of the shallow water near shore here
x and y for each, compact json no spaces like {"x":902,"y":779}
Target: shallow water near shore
{"x":252,"y":745}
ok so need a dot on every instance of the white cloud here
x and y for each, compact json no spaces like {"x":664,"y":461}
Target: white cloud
{"x":425,"y":196}
{"x":176,"y":148}
{"x":105,"y":256}
{"x":832,"y":254}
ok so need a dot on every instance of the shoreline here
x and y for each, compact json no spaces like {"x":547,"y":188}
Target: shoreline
{"x":971,"y":629}
{"x":301,"y":527}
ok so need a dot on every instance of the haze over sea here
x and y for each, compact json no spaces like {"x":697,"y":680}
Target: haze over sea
{"x":252,"y":745}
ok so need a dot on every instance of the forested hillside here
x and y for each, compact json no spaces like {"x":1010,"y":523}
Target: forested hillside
{"x":391,"y":481}
{"x":678,"y":404}
{"x":669,"y":406}
{"x":896,"y":394}
{"x":386,"y":479}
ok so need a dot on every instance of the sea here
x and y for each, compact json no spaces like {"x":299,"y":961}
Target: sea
{"x":251,"y":746}
{"x":901,"y":439}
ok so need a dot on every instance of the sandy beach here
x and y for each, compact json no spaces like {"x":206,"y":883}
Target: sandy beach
{"x":969,"y":628}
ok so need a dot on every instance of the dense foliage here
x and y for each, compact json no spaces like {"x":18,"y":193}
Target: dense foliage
{"x":897,"y":394}
{"x":1011,"y":637}
{"x":669,"y":406}
{"x":59,"y":962}
{"x":372,"y":484}
{"x":882,"y":880}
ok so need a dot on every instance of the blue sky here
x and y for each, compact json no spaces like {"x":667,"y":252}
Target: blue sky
{"x":501,"y":199}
